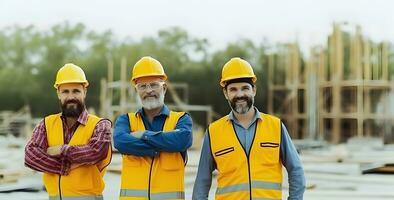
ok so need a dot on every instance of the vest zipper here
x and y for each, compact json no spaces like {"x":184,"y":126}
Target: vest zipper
{"x":247,"y":155}
{"x":250,"y":181}
{"x":150,"y":176}
{"x":60,"y":190}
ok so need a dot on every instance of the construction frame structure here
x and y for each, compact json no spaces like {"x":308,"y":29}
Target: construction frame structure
{"x":342,"y":90}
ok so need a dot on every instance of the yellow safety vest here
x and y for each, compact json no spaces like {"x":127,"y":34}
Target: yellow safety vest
{"x":84,"y":182}
{"x":154,"y":178}
{"x":242,"y":176}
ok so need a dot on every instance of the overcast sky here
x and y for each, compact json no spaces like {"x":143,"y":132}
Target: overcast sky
{"x":220,"y":21}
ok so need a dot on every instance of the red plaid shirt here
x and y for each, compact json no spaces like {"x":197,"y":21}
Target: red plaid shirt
{"x":96,"y":150}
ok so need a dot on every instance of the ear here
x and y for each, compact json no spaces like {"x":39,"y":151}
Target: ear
{"x":165,"y":87}
{"x":58,"y":93}
{"x":254,"y":90}
{"x":225,"y":93}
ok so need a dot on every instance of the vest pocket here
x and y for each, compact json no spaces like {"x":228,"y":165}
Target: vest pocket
{"x":224,"y":151}
{"x":132,"y":161}
{"x":80,"y":179}
{"x":269,"y":153}
{"x":226,"y":160}
{"x":171,"y":161}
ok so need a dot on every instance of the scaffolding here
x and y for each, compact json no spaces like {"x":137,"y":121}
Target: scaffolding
{"x":341,"y":91}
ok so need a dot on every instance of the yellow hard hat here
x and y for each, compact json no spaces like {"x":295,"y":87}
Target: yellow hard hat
{"x":70,"y":73}
{"x":147,"y":66}
{"x":237,"y":68}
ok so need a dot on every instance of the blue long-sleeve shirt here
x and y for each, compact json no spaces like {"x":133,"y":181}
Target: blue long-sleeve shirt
{"x":288,"y":155}
{"x":154,"y":140}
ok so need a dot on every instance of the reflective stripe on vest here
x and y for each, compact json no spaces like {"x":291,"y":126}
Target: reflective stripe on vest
{"x":77,"y":198}
{"x":84,"y":181}
{"x":245,"y":187}
{"x":153,"y":196}
{"x":146,"y":177}
{"x":256,"y":174}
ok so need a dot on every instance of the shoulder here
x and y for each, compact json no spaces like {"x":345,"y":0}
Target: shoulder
{"x":51,"y":117}
{"x":105,"y":123}
{"x":125,"y":116}
{"x":220,"y":121}
{"x":269,"y":117}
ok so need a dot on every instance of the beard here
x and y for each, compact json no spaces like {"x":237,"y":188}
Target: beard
{"x":152,"y":101}
{"x":72,"y":110}
{"x":241,"y":108}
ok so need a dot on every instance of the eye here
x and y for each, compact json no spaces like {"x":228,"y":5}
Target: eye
{"x":232,"y":89}
{"x":76,"y":91}
{"x":141,"y":86}
{"x":155,"y":85}
{"x":245,"y":88}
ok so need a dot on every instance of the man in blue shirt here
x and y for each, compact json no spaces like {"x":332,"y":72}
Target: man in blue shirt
{"x":246,"y":147}
{"x":153,"y":140}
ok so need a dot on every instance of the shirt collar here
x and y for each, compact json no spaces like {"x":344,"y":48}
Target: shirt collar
{"x":257,"y":115}
{"x":83,"y":117}
{"x":164,"y":111}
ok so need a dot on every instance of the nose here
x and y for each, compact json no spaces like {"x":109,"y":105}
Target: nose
{"x":239,"y":93}
{"x":148,"y":89}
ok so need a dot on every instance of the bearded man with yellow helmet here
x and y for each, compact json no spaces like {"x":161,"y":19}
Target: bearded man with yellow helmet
{"x":246,"y":147}
{"x":71,"y":148}
{"x":153,"y":140}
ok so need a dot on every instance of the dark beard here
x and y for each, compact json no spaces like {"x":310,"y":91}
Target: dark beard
{"x":73,"y":112}
{"x":249,"y":103}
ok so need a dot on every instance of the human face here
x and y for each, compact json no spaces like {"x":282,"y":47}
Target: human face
{"x":151,"y":92}
{"x":240,"y":96}
{"x":72,"y":99}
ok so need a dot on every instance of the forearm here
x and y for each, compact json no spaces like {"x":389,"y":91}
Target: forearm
{"x":178,"y":140}
{"x":206,"y":166}
{"x":174,"y":141}
{"x":296,"y":184}
{"x":40,"y":161}
{"x":89,"y":154}
{"x":127,"y":144}
{"x":95,"y":150}
{"x":37,"y":158}
{"x":293,"y":165}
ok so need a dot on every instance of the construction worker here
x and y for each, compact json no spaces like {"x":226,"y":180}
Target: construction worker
{"x":246,"y":147}
{"x":71,"y":148}
{"x":153,"y":140}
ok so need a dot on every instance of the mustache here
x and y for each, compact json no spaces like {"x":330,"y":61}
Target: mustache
{"x":71,"y":101}
{"x":151,"y":95}
{"x":245,"y":98}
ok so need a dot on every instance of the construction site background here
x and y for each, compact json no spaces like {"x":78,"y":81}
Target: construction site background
{"x":337,"y":99}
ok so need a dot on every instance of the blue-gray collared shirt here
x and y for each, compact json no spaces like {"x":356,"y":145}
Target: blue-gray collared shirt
{"x":153,"y":140}
{"x":288,"y":155}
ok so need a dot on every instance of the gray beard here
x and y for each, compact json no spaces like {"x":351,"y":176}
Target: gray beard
{"x":150,"y":103}
{"x":241,"y":109}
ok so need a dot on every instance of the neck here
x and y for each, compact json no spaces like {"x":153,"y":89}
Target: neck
{"x":245,"y":119}
{"x":71,"y":121}
{"x":152,"y":112}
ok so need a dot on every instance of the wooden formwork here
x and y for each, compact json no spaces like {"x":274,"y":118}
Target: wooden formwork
{"x":287,"y":89}
{"x":354,"y":85}
{"x":341,"y":91}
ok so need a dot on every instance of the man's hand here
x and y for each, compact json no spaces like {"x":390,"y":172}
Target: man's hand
{"x":137,"y":134}
{"x":55,"y":150}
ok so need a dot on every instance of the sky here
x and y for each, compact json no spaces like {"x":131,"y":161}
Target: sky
{"x":220,"y":21}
